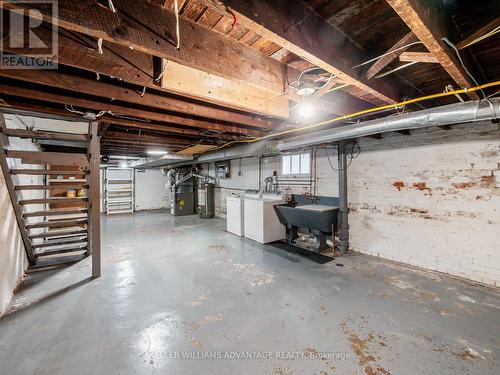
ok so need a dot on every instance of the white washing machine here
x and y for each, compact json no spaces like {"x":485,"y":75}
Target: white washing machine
{"x":260,"y":221}
{"x":234,"y":215}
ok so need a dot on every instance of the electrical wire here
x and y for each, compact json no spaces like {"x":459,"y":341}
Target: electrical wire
{"x":299,"y":22}
{"x":327,"y":82}
{"x":70,"y":108}
{"x":335,"y":88}
{"x":396,"y":69}
{"x":157,"y":79}
{"x":364,"y":112}
{"x":111,"y":6}
{"x":353,"y":151}
{"x":447,"y":41}
{"x":177,"y":24}
{"x":99,"y":46}
{"x":387,"y":53}
{"x":492,"y":95}
{"x":296,"y":84}
{"x":482,"y":37}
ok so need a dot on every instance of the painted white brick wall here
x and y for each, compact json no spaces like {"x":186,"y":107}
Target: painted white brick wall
{"x":244,"y":175}
{"x":150,"y":191}
{"x":13,"y":260}
{"x":431,"y":199}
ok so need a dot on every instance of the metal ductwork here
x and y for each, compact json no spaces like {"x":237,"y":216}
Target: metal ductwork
{"x":445,"y":115}
{"x":242,"y":151}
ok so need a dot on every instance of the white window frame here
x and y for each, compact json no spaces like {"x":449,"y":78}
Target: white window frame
{"x":303,"y":170}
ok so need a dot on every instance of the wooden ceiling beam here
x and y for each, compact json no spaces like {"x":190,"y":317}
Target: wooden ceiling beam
{"x":87,"y":86}
{"x":103,"y":128}
{"x":300,"y":30}
{"x":129,"y":143}
{"x":129,"y":148}
{"x":421,"y":57}
{"x":136,"y":137}
{"x":428,"y":21}
{"x":40,"y":108}
{"x":165,"y":129}
{"x":479,"y":33}
{"x":204,"y":86}
{"x":149,"y":28}
{"x":141,"y":143}
{"x":136,"y":68}
{"x":121,"y":110}
{"x":391,"y":54}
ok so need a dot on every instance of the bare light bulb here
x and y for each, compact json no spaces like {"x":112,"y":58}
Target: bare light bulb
{"x":306,"y":110}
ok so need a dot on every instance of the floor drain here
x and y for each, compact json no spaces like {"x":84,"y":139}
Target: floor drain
{"x":339,"y":265}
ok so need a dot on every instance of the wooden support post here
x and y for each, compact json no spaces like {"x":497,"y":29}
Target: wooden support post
{"x":94,"y":207}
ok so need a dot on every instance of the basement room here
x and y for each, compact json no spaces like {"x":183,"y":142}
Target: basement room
{"x":279,"y":187}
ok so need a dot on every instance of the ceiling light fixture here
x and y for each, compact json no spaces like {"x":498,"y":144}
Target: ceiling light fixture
{"x":306,"y":110}
{"x":156,"y":152}
{"x":306,"y":89}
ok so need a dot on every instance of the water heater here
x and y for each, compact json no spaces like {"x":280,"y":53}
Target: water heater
{"x":206,"y":197}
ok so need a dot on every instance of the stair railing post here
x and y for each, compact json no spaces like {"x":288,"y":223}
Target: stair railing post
{"x":93,"y":180}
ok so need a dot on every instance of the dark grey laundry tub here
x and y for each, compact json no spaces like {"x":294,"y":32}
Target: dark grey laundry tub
{"x":318,"y":214}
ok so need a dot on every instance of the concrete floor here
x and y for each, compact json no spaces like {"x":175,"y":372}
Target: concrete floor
{"x":184,"y":287}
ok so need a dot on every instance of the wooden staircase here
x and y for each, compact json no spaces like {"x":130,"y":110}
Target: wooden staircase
{"x":51,"y":231}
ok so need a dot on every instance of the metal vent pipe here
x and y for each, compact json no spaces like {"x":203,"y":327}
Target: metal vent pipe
{"x":445,"y":115}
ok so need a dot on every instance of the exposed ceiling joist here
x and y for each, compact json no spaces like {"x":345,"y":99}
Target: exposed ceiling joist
{"x":490,"y":26}
{"x":80,"y":51}
{"x":103,"y":128}
{"x":326,"y":89}
{"x":391,"y":54}
{"x":42,"y":109}
{"x":113,"y":92}
{"x":137,"y":68}
{"x":122,"y":111}
{"x":134,"y":137}
{"x":300,"y":30}
{"x":429,"y":23}
{"x":212,"y":88}
{"x":161,"y":128}
{"x":149,"y":28}
{"x":422,"y":57}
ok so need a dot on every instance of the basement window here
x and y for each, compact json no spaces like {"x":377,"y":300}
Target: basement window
{"x":296,"y":164}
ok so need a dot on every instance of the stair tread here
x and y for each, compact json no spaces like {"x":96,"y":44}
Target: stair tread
{"x":55,"y":212}
{"x":61,"y":251}
{"x":52,"y":200}
{"x":61,"y":242}
{"x":55,"y":224}
{"x":49,"y":158}
{"x":59,"y":234}
{"x":52,"y":187}
{"x":47,"y":172}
